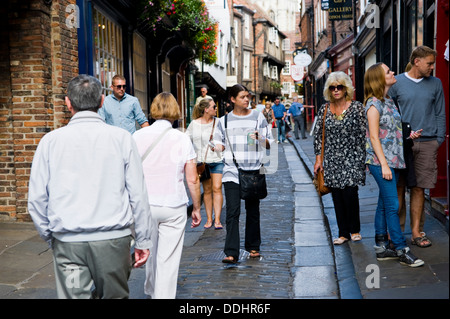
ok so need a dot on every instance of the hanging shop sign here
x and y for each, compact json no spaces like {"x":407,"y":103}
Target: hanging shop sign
{"x":340,"y":10}
{"x":297,"y":72}
{"x":302,"y":59}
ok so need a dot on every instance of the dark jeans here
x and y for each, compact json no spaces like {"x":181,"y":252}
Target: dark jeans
{"x":299,"y":124}
{"x":252,"y":223}
{"x":346,"y":206}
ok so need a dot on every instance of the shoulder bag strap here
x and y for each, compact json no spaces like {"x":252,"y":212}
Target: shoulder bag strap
{"x":158,"y":139}
{"x":210,"y":138}
{"x":323,"y":130}
{"x":231,"y":147}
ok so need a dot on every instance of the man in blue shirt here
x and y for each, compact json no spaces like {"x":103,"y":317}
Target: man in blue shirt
{"x":298,"y":115}
{"x":121,"y":109}
{"x":279,"y":111}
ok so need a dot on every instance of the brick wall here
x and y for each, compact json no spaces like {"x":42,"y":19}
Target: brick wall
{"x":38,"y":58}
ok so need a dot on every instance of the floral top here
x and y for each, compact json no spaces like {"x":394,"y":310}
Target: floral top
{"x":345,"y":152}
{"x":390,"y":135}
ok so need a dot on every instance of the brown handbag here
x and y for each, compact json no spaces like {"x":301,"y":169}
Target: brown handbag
{"x":318,"y":178}
{"x":203,"y":169}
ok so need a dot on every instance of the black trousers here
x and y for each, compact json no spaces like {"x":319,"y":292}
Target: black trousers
{"x":346,"y":206}
{"x":252,"y":223}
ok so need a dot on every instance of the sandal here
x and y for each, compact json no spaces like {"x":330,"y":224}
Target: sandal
{"x":356,"y":237}
{"x":421,"y":241}
{"x":229,"y":260}
{"x":254,"y":254}
{"x":218,"y":226}
{"x":207,"y":227}
{"x":340,"y":240}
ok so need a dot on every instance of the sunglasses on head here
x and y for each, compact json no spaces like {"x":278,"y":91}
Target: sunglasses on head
{"x":339,"y":87}
{"x":120,"y":86}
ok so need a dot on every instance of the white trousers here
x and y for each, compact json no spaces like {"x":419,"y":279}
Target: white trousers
{"x":167,"y":241}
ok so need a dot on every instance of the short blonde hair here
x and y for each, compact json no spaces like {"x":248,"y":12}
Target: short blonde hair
{"x":165,"y":107}
{"x":341,"y":78}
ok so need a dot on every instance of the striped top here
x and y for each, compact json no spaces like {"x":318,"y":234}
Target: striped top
{"x":248,"y":157}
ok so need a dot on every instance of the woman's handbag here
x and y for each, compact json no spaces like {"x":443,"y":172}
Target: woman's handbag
{"x":252,"y":183}
{"x":318,"y":181}
{"x":203,"y":169}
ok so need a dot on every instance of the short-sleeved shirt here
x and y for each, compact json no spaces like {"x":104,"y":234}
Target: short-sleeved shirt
{"x":248,"y":157}
{"x":296,"y":109}
{"x":124,"y":113}
{"x":390,"y":135}
{"x":164,"y":166}
{"x":278,"y":110}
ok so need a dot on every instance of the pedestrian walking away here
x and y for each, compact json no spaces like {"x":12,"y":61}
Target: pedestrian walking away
{"x":420,"y":97}
{"x":70,"y":201}
{"x":164,"y":177}
{"x":201,"y":131}
{"x":122,"y":109}
{"x":280,"y":113}
{"x":344,"y":152}
{"x":297,"y":111}
{"x":385,"y":159}
{"x":244,"y":135}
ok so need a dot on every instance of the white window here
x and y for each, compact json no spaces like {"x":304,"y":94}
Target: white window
{"x":246,"y":26}
{"x":266,"y":69}
{"x":287,"y":68}
{"x":108,"y":55}
{"x":246,"y":71}
{"x":273,"y":34}
{"x":236,"y":32}
{"x":286,"y":44}
{"x":287,"y":87}
{"x":274,"y":73}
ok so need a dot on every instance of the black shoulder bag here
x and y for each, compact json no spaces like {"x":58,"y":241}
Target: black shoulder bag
{"x":252,"y":184}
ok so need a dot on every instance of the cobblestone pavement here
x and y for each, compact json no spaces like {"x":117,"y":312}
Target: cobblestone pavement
{"x":203,"y":275}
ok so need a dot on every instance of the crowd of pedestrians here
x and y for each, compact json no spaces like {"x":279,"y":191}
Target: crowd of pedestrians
{"x":99,"y":187}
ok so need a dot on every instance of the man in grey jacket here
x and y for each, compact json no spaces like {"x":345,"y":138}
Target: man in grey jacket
{"x":87,"y":195}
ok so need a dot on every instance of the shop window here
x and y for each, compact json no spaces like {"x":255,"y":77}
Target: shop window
{"x":139,"y":70}
{"x":108,"y":53}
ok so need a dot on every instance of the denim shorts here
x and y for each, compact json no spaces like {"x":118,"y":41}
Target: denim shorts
{"x":216,"y":168}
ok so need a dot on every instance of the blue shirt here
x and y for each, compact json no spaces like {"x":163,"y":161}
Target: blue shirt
{"x":278,"y":110}
{"x":123,"y":113}
{"x":296,"y":109}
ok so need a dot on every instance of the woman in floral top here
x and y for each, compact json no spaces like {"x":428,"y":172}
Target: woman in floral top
{"x":344,"y":152}
{"x":385,"y":158}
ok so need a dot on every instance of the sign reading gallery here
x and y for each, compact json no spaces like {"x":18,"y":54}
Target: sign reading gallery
{"x":340,"y":10}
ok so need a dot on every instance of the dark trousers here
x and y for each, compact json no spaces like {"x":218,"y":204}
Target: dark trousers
{"x":299,"y":124}
{"x":252,"y":223}
{"x":346,"y":206}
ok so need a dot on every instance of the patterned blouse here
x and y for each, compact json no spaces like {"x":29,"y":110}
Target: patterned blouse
{"x":390,"y":135}
{"x":345,"y":152}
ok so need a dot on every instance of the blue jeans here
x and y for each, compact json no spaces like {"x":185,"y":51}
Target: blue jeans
{"x":281,"y":130}
{"x":386,"y":216}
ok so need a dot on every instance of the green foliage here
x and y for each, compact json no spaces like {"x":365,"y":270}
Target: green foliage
{"x":190,"y":17}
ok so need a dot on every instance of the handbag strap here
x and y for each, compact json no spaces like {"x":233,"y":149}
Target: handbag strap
{"x":323,"y":130}
{"x":210,"y":138}
{"x":158,"y":139}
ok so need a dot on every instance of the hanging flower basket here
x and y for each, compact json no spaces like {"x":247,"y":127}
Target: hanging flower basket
{"x":190,"y":18}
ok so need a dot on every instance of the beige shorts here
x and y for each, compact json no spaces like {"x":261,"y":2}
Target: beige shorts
{"x":425,"y":163}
